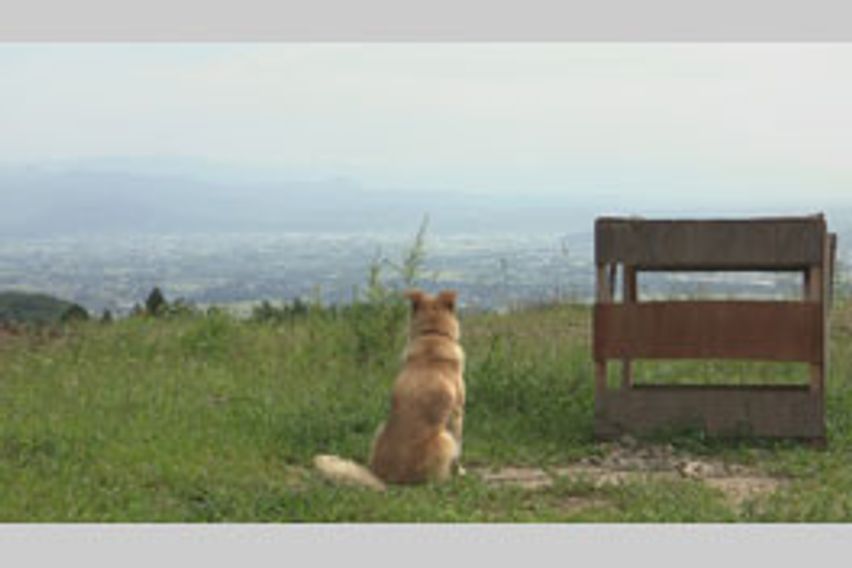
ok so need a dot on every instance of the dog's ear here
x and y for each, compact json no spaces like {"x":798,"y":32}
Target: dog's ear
{"x":416,"y":297}
{"x":447,"y":298}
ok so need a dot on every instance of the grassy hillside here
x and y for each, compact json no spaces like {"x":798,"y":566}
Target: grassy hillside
{"x":208,"y":418}
{"x":25,"y":307}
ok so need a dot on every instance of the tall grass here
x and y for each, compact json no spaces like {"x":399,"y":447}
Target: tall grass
{"x":207,"y":417}
{"x":143,"y":418}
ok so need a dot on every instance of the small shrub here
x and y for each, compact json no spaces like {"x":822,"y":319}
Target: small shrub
{"x":155,"y":303}
{"x":75,"y":313}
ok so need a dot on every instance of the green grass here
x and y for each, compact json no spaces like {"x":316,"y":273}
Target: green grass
{"x":209,"y":418}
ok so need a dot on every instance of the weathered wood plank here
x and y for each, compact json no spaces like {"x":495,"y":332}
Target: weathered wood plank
{"x":770,"y":331}
{"x":630,"y":297}
{"x":816,"y":286}
{"x":603,"y":295}
{"x":760,"y":411}
{"x":788,"y":243}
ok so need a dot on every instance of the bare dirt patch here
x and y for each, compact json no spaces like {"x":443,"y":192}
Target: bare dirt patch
{"x":630,"y":462}
{"x":739,"y":490}
{"x":524,"y":477}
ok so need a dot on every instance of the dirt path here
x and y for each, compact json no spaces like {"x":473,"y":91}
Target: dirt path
{"x":630,"y":462}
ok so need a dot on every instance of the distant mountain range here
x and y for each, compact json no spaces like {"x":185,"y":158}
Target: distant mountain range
{"x":44,"y":202}
{"x":174,"y":195}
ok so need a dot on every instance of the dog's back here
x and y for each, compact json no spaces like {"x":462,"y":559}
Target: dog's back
{"x":416,"y":443}
{"x":421,"y":440}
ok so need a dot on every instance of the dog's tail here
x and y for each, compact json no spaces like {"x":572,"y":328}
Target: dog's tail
{"x":348,"y":472}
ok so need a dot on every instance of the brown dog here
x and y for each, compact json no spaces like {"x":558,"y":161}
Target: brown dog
{"x":422,"y":438}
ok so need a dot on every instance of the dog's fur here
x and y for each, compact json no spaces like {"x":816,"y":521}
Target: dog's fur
{"x":422,"y":438}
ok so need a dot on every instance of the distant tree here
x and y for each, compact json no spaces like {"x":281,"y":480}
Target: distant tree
{"x":298,"y":308}
{"x":180,"y":307}
{"x":74,"y":313}
{"x":156,"y":303}
{"x":264,"y":312}
{"x":137,"y":310}
{"x":106,"y":316}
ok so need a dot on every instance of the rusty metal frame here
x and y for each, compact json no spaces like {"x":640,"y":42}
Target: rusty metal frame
{"x":754,"y":330}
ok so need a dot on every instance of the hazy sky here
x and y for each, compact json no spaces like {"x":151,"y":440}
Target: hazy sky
{"x":771,"y":119}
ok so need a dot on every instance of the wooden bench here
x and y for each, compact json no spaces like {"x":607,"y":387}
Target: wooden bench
{"x":781,"y":331}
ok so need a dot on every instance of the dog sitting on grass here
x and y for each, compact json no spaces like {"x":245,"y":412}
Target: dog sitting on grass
{"x":421,"y":440}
